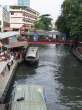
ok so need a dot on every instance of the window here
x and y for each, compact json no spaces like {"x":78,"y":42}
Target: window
{"x":12,"y":13}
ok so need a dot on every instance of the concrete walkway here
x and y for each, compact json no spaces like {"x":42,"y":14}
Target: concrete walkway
{"x":5,"y":81}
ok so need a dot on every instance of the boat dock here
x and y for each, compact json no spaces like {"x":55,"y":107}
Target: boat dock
{"x":7,"y":67}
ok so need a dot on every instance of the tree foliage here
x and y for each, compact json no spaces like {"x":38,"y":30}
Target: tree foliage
{"x":70,"y":20}
{"x":44,"y":22}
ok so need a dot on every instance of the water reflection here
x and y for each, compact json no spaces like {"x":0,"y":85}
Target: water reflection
{"x":70,"y":77}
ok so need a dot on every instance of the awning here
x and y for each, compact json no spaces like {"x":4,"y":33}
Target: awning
{"x":4,"y":35}
{"x":18,"y":44}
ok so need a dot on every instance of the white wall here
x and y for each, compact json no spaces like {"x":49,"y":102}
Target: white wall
{"x":17,"y":14}
{"x":15,"y":25}
{"x":16,"y":20}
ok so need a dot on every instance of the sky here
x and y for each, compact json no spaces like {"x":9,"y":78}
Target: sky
{"x":52,"y":7}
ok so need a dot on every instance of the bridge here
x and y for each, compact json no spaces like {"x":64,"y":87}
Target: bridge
{"x":26,"y":41}
{"x":55,"y":41}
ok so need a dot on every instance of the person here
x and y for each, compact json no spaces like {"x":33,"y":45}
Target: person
{"x":12,"y":58}
{"x":8,"y":65}
{"x":36,"y":36}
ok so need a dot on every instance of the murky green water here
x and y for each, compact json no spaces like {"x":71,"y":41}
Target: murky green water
{"x":59,"y":73}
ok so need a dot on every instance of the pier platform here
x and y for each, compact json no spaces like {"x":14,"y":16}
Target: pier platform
{"x":5,"y":80}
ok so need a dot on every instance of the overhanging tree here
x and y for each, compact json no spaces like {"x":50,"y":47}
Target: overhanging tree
{"x":71,"y":18}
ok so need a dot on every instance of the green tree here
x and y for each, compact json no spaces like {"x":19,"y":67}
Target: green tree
{"x":44,"y":22}
{"x":71,"y":21}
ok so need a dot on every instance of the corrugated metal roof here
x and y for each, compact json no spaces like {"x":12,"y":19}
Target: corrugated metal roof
{"x":8,"y":34}
{"x":29,"y":98}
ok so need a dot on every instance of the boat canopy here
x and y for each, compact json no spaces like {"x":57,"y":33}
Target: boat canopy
{"x":29,"y":98}
{"x":32,"y":52}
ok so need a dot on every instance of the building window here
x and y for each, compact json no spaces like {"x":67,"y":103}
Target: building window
{"x":12,"y":13}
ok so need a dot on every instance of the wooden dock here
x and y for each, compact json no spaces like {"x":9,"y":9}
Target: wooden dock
{"x":5,"y":81}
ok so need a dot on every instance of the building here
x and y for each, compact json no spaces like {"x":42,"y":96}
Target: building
{"x":24,"y":3}
{"x":22,"y":15}
{"x":4,"y":19}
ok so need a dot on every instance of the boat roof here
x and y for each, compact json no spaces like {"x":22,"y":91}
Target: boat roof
{"x":32,"y":51}
{"x":29,"y":98}
{"x":3,"y":65}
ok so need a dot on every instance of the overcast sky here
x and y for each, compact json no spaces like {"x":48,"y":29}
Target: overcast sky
{"x":52,"y":7}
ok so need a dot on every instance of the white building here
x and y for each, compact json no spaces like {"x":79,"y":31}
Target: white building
{"x":4,"y":19}
{"x":22,"y":15}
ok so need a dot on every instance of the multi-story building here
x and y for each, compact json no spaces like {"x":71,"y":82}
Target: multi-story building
{"x":4,"y":19}
{"x":22,"y":15}
{"x":24,"y":3}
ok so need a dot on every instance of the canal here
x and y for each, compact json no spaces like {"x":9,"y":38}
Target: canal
{"x":59,"y":73}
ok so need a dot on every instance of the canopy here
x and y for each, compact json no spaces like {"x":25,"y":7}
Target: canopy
{"x":18,"y":44}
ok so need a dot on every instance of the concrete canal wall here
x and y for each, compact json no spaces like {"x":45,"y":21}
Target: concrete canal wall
{"x":5,"y":81}
{"x":77,"y":54}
